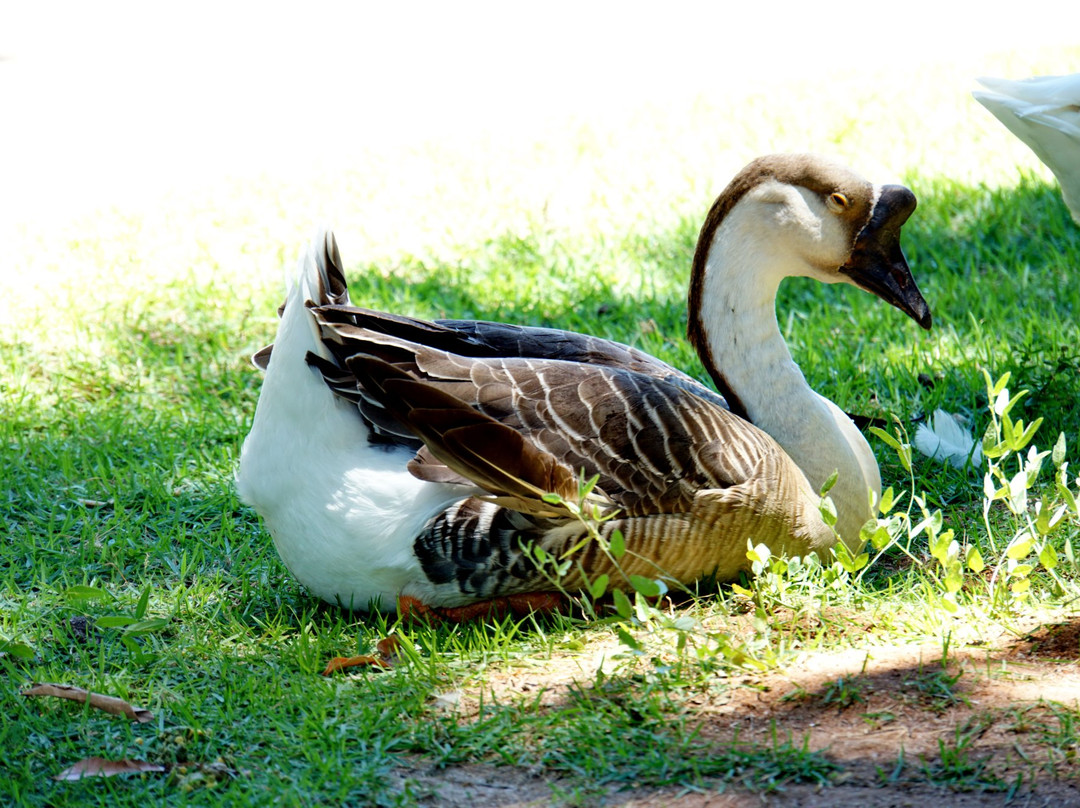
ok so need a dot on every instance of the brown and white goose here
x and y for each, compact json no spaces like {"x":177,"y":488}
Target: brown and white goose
{"x":401,"y":461}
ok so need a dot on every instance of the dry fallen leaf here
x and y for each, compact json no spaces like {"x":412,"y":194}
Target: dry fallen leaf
{"x":387,"y":648}
{"x":100,"y":767}
{"x":109,"y":704}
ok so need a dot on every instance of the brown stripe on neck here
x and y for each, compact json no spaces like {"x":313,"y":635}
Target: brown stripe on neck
{"x":805,"y":170}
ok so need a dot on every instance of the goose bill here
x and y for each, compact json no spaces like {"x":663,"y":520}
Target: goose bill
{"x":877,"y":262}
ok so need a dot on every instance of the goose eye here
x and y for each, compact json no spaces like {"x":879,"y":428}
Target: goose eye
{"x":837,"y":202}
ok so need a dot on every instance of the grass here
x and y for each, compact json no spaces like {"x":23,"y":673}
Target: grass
{"x":956,"y":768}
{"x":127,"y":565}
{"x":935,"y":688}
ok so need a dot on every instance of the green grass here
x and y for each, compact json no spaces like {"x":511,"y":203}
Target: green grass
{"x":123,"y":406}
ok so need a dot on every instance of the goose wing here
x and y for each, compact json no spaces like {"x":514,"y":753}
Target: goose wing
{"x":685,"y":481}
{"x":481,"y":338}
{"x":654,"y":443}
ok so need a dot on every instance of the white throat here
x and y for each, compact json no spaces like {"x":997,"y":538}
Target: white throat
{"x":738,"y":314}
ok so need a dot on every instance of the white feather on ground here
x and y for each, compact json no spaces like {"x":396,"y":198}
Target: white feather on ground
{"x":1044,"y":112}
{"x":947,"y":441}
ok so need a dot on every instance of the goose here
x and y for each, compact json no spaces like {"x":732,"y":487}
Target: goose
{"x":400,"y":462}
{"x":1044,"y":112}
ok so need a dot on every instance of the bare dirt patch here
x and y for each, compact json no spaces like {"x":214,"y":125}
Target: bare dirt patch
{"x":1059,"y":641}
{"x":986,"y":723}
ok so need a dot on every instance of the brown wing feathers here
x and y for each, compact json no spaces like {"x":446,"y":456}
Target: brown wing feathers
{"x":591,"y":406}
{"x":482,"y":339}
{"x":654,"y":444}
{"x":479,"y":448}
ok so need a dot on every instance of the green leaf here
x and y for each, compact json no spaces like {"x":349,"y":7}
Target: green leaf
{"x":646,"y":586}
{"x":827,"y":509}
{"x":147,"y":626}
{"x":1001,"y":401}
{"x":1013,"y":401}
{"x":115,"y":621}
{"x":1048,"y":556}
{"x":1021,"y":570}
{"x":599,"y":586}
{"x":622,"y":604}
{"x":881,"y":538}
{"x":992,"y":389}
{"x":1057,"y":520}
{"x":742,"y":590}
{"x":848,"y":561}
{"x":1020,"y":549}
{"x":1020,"y":586}
{"x":905,"y":456}
{"x":931,"y":524}
{"x":617,"y":545}
{"x":1028,"y":433}
{"x":16,"y":649}
{"x":759,"y":553}
{"x":552,"y":499}
{"x":903,"y":450}
{"x":1058,"y":454}
{"x":954,"y":579}
{"x":141,"y":606}
{"x":84,"y":593}
{"x":991,"y":446}
{"x":1067,"y":495}
{"x":1042,"y":517}
{"x":886,"y":437}
{"x":1018,"y":492}
{"x":585,"y":487}
{"x":570,"y":552}
{"x":888,"y":499}
{"x":626,"y":638}
{"x":873,"y":533}
{"x":829,"y":483}
{"x":974,"y":559}
{"x":684,"y":623}
{"x":643,"y":610}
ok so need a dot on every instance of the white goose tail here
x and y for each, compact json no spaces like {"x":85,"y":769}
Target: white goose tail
{"x":342,"y":513}
{"x":293,"y":393}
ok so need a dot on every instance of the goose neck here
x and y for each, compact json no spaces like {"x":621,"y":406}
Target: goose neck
{"x":738,"y":335}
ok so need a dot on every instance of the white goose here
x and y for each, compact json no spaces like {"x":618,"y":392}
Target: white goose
{"x":1044,"y":112}
{"x":400,"y":461}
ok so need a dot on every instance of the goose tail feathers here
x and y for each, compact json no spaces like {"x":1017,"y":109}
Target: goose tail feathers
{"x":317,"y":280}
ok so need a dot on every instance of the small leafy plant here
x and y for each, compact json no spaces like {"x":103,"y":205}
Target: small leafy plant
{"x":1011,"y":479}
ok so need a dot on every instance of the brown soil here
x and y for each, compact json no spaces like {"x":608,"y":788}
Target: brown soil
{"x":1010,"y":697}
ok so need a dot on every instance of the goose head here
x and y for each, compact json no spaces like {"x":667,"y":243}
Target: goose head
{"x":788,"y":215}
